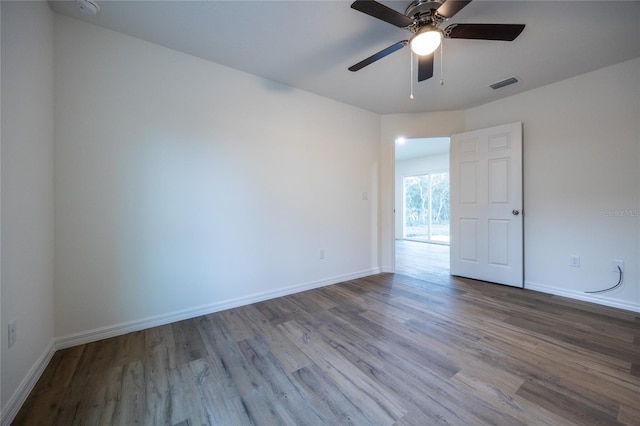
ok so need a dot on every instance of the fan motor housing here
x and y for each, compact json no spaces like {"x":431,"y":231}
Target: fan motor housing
{"x":423,"y":9}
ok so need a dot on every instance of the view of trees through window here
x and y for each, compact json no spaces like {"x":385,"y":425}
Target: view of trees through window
{"x":426,"y":207}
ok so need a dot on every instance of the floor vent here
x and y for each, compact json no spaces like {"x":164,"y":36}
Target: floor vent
{"x":507,"y":82}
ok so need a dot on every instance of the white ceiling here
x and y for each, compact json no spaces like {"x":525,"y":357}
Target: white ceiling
{"x":309,"y":44}
{"x":421,"y":147}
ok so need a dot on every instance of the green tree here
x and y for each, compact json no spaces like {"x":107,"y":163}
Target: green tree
{"x":416,"y":189}
{"x":427,"y":206}
{"x":440,"y":198}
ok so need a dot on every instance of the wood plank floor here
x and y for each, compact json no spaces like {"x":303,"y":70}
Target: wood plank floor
{"x":382,"y":350}
{"x":422,"y":260}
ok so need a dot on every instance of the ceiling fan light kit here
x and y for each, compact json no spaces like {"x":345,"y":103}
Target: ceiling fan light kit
{"x":426,"y":41}
{"x":423,"y":18}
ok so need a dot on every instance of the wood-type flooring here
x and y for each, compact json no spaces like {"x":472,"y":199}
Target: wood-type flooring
{"x":381,"y":350}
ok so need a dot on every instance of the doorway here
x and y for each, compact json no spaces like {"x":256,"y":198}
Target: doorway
{"x":422,"y":206}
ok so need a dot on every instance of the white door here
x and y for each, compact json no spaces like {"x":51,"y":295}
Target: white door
{"x":486,"y":205}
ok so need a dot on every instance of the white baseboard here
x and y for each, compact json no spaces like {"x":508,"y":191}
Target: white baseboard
{"x":10,"y":410}
{"x":599,"y":299}
{"x":89,"y":336}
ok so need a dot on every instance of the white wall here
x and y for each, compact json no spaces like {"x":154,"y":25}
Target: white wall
{"x":178,"y":184}
{"x":413,"y":167}
{"x":581,"y":177}
{"x":181,"y":184}
{"x":27,"y":193}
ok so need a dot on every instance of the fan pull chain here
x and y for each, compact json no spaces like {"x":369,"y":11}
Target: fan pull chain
{"x":411,"y":60}
{"x":441,"y":65}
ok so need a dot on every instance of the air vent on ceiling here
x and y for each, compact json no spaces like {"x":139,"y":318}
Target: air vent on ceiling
{"x":503,"y":83}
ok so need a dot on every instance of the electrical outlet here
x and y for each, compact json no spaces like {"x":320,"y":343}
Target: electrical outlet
{"x":574,"y":261}
{"x":617,"y":263}
{"x":12,"y":332}
{"x":320,"y":253}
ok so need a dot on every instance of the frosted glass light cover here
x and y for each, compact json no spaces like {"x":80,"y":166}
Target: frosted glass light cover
{"x":426,"y":42}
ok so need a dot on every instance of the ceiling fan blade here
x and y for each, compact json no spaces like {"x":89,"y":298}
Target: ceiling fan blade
{"x":381,"y":54}
{"x":451,"y":7}
{"x":382,"y":12}
{"x":505,"y":32}
{"x":425,"y":67}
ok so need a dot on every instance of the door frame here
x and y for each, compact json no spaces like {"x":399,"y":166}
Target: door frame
{"x":392,"y":207}
{"x":388,"y":233}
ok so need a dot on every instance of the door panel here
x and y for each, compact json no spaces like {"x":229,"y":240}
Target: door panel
{"x":499,"y":177}
{"x":499,"y":242}
{"x":468,"y":179}
{"x":468,"y":240}
{"x":486,"y":193}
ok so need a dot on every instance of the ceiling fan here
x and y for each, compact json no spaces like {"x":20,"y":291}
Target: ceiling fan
{"x":423,"y":18}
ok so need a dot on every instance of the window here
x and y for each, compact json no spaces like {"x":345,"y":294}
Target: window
{"x":426,"y":207}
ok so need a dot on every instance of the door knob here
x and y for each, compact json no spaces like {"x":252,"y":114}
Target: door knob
{"x":515,"y":212}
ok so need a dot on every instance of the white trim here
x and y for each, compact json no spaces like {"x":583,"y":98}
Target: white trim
{"x":601,"y":300}
{"x":26,"y":386}
{"x":89,"y":336}
{"x":15,"y":402}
